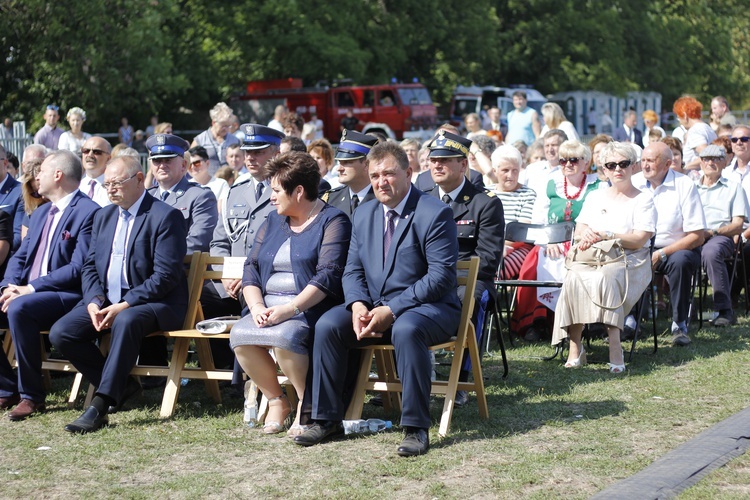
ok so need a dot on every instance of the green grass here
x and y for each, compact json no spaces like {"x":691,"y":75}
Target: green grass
{"x":552,"y":432}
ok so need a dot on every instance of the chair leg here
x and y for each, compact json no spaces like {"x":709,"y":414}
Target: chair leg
{"x":206,"y":360}
{"x":354,"y":411}
{"x":476,"y":368}
{"x":176,"y":365}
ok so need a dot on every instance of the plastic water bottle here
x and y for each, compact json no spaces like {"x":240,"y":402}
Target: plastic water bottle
{"x":371,"y":425}
{"x":251,"y":404}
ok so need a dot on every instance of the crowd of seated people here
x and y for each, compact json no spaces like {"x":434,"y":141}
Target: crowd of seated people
{"x":98,"y":244}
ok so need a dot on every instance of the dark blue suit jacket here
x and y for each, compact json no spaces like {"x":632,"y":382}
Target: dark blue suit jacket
{"x":621,"y":136}
{"x":155,"y":252}
{"x":69,"y":248}
{"x":11,"y":202}
{"x":420,"y":269}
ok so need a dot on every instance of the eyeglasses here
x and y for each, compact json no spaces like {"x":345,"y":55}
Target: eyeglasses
{"x":711,"y":158}
{"x":117,"y":184}
{"x":613,"y":165}
{"x":572,"y":161}
{"x":195,"y":163}
{"x":95,"y":152}
{"x":744,"y":139}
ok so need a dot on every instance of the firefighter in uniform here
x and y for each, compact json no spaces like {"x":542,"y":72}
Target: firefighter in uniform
{"x":352,"y":166}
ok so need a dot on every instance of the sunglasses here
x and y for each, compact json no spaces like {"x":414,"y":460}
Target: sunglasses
{"x":613,"y":165}
{"x":572,"y":161}
{"x":735,"y":140}
{"x":95,"y":152}
{"x":53,"y":107}
{"x":196,"y":162}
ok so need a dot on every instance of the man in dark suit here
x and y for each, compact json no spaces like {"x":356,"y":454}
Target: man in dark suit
{"x":198,"y":208}
{"x":133,"y":284}
{"x":354,"y":177}
{"x":627,"y":131}
{"x":43,"y":279}
{"x":11,"y":201}
{"x":478,"y":215}
{"x":400,"y":288}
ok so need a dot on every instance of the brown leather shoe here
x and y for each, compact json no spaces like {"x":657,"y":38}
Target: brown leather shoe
{"x":10,"y":401}
{"x":25,"y":409}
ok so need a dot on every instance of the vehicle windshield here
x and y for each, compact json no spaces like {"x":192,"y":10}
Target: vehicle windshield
{"x":414,"y":96}
{"x":465,"y":105}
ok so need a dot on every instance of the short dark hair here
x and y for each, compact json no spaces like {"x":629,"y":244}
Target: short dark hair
{"x":199,"y":151}
{"x":295,"y":144}
{"x":294,"y":169}
{"x":520,"y":93}
{"x":382,"y":150}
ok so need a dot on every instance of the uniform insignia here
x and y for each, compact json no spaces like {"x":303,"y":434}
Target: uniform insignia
{"x":325,"y":197}
{"x":466,"y":197}
{"x":160,"y":139}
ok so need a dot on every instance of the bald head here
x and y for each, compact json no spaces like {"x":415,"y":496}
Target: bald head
{"x":655,"y":162}
{"x":95,"y":153}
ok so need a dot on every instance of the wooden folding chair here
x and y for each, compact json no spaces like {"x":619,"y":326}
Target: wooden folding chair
{"x":206,"y":270}
{"x":465,"y":338}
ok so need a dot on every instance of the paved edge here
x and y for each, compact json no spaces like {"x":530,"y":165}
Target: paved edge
{"x":687,"y":464}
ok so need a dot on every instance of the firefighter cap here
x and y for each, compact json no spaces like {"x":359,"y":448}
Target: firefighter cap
{"x":354,"y":145}
{"x":448,"y":145}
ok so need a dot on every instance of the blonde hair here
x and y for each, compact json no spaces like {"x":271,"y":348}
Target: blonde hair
{"x":553,"y":115}
{"x":76,"y":111}
{"x":220,"y":113}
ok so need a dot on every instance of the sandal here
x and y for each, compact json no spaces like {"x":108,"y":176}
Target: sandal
{"x":276,"y":426}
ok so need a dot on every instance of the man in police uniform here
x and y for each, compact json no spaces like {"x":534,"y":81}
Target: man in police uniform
{"x":478,"y":215}
{"x":246,"y":208}
{"x":197,"y":206}
{"x":196,"y":203}
{"x":353,"y":174}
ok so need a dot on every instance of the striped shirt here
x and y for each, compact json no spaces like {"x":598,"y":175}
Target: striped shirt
{"x":518,"y":204}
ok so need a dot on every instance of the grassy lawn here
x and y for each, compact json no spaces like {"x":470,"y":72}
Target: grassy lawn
{"x":552,"y":432}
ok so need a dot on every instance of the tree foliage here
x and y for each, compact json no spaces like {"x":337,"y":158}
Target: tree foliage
{"x":179,"y":57}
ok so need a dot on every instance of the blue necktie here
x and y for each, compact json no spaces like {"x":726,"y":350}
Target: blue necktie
{"x":114,"y":274}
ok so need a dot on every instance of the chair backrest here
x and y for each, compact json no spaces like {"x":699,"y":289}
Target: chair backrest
{"x":468,"y":270}
{"x":559,"y":232}
{"x":195,"y":285}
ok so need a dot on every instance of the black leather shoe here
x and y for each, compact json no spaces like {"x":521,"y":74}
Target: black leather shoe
{"x":132,"y":389}
{"x":462,"y":398}
{"x":318,"y":432}
{"x":416,"y":442}
{"x":91,"y":420}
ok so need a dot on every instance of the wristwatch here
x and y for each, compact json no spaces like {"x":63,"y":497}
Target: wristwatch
{"x":296,"y":309}
{"x":662,"y":255}
{"x":610,"y":235}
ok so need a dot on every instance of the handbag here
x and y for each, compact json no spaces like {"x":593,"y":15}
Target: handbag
{"x":600,"y":254}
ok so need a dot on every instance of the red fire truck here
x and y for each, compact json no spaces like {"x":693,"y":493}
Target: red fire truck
{"x":398,"y":110}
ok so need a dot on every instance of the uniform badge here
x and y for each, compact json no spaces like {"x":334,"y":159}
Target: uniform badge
{"x":160,"y":139}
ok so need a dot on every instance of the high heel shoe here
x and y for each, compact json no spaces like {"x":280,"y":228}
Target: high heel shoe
{"x":579,"y":361}
{"x":613,"y":368}
{"x":276,"y":426}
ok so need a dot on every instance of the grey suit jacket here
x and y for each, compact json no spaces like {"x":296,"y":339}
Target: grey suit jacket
{"x":198,"y":207}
